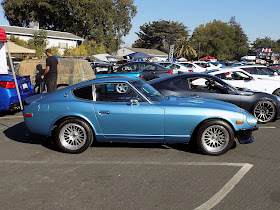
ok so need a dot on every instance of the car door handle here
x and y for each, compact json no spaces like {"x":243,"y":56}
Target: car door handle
{"x":194,"y":95}
{"x":103,"y":112}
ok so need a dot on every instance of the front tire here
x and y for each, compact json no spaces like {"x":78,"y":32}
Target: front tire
{"x":73,"y":136}
{"x":215,"y":137}
{"x":264,"y":111}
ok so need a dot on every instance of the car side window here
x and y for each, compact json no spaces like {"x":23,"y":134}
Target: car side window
{"x":84,"y":93}
{"x":182,"y":84}
{"x":116,"y":92}
{"x":128,"y":67}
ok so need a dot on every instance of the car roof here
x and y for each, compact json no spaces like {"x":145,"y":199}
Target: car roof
{"x":225,"y":70}
{"x":185,"y":75}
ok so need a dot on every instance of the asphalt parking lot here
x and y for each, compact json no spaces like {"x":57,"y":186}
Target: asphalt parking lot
{"x":35,"y":175}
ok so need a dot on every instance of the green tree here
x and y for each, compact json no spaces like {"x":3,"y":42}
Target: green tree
{"x":38,"y":42}
{"x":18,"y":41}
{"x":240,"y":39}
{"x":184,"y":49}
{"x":105,"y":21}
{"x":93,"y":48}
{"x":159,"y":34}
{"x":266,"y":42}
{"x":220,"y":40}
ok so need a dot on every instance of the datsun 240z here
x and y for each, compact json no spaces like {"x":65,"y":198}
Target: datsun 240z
{"x":127,"y":109}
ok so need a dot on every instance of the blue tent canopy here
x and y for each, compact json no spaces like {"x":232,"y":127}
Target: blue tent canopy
{"x":138,"y":55}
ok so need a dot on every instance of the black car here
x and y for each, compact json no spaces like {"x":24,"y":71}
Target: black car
{"x":265,"y":107}
{"x":150,"y":70}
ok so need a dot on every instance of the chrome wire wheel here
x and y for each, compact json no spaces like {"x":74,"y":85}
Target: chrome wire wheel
{"x":264,"y":111}
{"x":215,"y":138}
{"x":72,"y":136}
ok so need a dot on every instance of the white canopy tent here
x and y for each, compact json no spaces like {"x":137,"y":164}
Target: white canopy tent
{"x":14,"y":48}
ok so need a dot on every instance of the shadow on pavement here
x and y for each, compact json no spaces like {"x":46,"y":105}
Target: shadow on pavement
{"x":18,"y":133}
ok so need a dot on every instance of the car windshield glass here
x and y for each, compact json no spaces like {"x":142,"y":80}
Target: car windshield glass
{"x":152,"y":94}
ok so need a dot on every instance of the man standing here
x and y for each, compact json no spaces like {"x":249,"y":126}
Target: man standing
{"x":50,"y":73}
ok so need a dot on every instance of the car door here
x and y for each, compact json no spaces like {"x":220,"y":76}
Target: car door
{"x":205,"y":87}
{"x":121,"y":119}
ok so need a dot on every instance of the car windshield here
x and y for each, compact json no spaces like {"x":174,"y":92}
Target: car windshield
{"x":148,"y":91}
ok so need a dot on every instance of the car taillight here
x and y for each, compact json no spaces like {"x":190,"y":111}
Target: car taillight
{"x":170,"y":72}
{"x":7,"y":84}
{"x":190,"y":70}
{"x":227,"y":73}
{"x":140,"y":76}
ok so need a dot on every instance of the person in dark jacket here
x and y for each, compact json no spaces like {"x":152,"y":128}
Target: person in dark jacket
{"x":50,"y":73}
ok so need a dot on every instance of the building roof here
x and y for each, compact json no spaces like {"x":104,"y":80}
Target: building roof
{"x":16,"y":30}
{"x":152,"y":52}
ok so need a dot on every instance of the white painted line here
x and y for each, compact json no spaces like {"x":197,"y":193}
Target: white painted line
{"x":10,"y":117}
{"x":222,"y":193}
{"x":267,"y":127}
{"x":213,"y":201}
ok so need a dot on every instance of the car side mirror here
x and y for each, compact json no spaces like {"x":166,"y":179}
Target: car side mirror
{"x":134,"y":102}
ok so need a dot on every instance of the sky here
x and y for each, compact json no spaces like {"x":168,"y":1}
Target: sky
{"x":258,"y":18}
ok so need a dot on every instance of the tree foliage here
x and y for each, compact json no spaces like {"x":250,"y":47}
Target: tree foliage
{"x":184,"y":49}
{"x":39,"y":42}
{"x":266,"y":42}
{"x":105,"y":21}
{"x":159,"y":34}
{"x":220,"y":40}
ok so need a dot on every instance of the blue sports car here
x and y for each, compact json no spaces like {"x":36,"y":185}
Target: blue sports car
{"x":8,"y":93}
{"x":127,"y":109}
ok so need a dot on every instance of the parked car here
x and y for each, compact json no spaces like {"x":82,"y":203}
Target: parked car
{"x":194,"y":67}
{"x":208,"y":66}
{"x":94,"y":111}
{"x":260,"y":71}
{"x":149,"y":70}
{"x":111,"y":72}
{"x":265,"y":107}
{"x":8,"y":93}
{"x":242,"y":79}
{"x":176,"y":67}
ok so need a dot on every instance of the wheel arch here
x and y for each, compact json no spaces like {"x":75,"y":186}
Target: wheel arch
{"x":58,"y":121}
{"x":263,"y":99}
{"x":195,"y":130}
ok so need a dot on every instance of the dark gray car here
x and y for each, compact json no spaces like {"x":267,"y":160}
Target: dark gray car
{"x":150,"y":70}
{"x":265,"y":107}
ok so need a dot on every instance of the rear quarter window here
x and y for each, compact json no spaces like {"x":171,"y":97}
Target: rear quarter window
{"x":84,"y":93}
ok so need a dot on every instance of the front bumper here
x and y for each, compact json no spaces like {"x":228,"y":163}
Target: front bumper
{"x":245,"y":136}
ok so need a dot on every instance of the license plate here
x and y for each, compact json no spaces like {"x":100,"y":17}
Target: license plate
{"x":24,"y":86}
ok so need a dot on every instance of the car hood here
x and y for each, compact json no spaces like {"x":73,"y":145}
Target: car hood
{"x":199,"y":102}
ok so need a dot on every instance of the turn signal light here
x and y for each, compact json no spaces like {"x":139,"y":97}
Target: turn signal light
{"x":239,"y":122}
{"x":7,"y":84}
{"x":29,"y":115}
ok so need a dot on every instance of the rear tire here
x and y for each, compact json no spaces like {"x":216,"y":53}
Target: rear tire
{"x":215,"y":137}
{"x":73,"y":136}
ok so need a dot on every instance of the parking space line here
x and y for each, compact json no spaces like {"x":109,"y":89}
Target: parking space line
{"x":11,"y":117}
{"x":213,"y":201}
{"x":222,"y":193}
{"x":267,"y":127}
